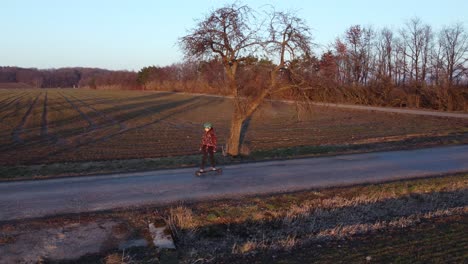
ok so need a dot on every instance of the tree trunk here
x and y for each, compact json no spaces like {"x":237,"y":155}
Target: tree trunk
{"x":233,"y":143}
{"x":238,"y":118}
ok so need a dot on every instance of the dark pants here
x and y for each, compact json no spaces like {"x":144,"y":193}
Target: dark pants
{"x":207,"y":150}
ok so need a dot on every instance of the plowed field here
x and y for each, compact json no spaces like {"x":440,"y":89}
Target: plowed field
{"x":64,"y":125}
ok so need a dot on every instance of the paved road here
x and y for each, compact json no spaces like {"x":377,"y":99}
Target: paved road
{"x":397,"y":110}
{"x":29,"y":199}
{"x":410,"y":111}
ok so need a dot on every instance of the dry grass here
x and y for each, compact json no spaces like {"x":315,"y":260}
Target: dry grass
{"x":181,"y":222}
{"x":181,"y":217}
{"x":286,"y":244}
{"x":344,"y":231}
{"x":285,"y":222}
{"x":245,"y":247}
{"x":119,"y":258}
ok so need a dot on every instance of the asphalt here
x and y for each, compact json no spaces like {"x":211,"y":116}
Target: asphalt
{"x":397,"y":110}
{"x":32,"y":199}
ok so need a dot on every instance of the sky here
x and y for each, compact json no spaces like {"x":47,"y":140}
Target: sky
{"x":132,"y":34}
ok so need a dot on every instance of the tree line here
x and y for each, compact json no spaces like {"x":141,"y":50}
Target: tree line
{"x":78,"y":77}
{"x":412,"y":66}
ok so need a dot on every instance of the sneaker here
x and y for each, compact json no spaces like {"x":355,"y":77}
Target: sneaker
{"x":213,"y":168}
{"x":201,"y":170}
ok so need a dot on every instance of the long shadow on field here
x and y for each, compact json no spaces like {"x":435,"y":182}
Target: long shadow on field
{"x":141,"y":110}
{"x":149,"y":109}
{"x":318,"y":221}
{"x":14,"y":111}
{"x":147,"y":97}
{"x":34,"y":147}
{"x":170,"y":109}
{"x":123,"y":107}
{"x":134,"y":111}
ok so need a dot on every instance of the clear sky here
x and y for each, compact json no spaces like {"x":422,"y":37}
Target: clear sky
{"x":131,"y":34}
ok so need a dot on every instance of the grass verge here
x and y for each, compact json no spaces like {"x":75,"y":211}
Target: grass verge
{"x":353,"y":222}
{"x":440,"y":240}
{"x":412,"y":221}
{"x":25,"y":172}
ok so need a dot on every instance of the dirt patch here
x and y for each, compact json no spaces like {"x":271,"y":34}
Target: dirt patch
{"x":65,"y":241}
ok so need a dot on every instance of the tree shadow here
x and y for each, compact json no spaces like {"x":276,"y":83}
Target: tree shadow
{"x":181,"y":106}
{"x":243,"y":144}
{"x":142,"y":110}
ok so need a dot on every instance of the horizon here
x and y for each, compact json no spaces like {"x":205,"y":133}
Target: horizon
{"x":53,"y":34}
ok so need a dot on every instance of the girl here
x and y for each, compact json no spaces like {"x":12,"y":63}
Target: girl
{"x":208,"y":146}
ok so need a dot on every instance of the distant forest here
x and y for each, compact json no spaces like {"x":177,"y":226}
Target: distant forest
{"x":68,"y":77}
{"x":411,"y":67}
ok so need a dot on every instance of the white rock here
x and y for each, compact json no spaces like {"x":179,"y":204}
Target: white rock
{"x":161,"y":237}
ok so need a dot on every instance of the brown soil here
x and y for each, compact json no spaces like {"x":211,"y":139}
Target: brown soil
{"x":100,"y":126}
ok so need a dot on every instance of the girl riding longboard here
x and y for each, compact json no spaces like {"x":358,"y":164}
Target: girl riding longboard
{"x":208,"y":148}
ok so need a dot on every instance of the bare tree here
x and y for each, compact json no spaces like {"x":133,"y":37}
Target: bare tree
{"x":354,"y":37}
{"x":227,"y":32}
{"x":437,"y":66}
{"x":356,"y":53}
{"x":385,"y":49}
{"x":233,"y":33}
{"x":427,"y":50}
{"x":342,"y":61}
{"x":401,"y":66}
{"x":417,"y":38}
{"x":453,"y":41}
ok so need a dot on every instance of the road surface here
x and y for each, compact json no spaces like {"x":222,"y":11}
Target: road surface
{"x":31,"y":199}
{"x":399,"y":110}
{"x":423,"y":112}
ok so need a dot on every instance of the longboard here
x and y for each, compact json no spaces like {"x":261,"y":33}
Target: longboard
{"x":217,"y":171}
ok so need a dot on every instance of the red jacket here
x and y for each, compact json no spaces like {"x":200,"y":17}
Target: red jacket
{"x":209,"y":139}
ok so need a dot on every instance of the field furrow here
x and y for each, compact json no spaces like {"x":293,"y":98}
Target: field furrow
{"x":44,"y":123}
{"x":32,"y":130}
{"x":10,"y":119}
{"x":134,"y":112}
{"x":19,"y":129}
{"x":58,"y":125}
{"x":91,"y":124}
{"x":63,"y":120}
{"x":106,"y":120}
{"x":5,"y":102}
{"x":142,"y":134}
{"x":8,"y":107}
